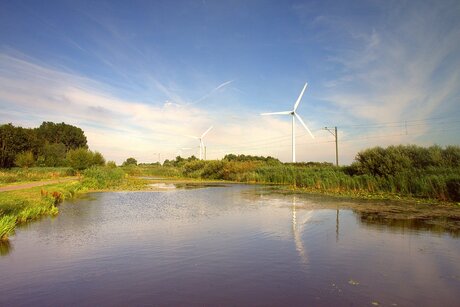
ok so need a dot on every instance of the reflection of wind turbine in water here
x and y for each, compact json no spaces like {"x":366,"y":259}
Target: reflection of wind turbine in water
{"x":337,"y":226}
{"x":298,"y":229}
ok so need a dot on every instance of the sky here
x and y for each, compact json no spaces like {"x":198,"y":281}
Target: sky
{"x":141,"y":77}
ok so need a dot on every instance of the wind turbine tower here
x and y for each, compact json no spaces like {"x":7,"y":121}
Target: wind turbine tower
{"x":200,"y":138}
{"x":294,"y":115}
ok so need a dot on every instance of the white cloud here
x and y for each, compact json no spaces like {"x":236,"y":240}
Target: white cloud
{"x":121,"y":128}
{"x":400,"y":70}
{"x":408,"y":70}
{"x":214,"y":90}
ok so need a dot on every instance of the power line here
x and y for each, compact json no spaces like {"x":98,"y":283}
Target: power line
{"x":277,"y":142}
{"x":402,"y":122}
{"x":258,"y":148}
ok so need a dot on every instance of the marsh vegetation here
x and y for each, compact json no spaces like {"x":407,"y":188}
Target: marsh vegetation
{"x":395,"y":171}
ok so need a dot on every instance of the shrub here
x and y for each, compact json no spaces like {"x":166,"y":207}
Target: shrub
{"x":24,"y":159}
{"x":98,"y":159}
{"x":130,"y":161}
{"x":102,"y":177}
{"x":82,"y":158}
{"x":394,"y":159}
{"x":235,"y":170}
{"x":192,"y":168}
{"x":52,"y":155}
{"x":111,"y":164}
{"x":213,"y":170}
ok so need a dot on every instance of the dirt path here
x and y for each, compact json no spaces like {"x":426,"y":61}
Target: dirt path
{"x":34,"y":184}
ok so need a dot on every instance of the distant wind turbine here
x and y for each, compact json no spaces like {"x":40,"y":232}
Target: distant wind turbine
{"x":294,"y":116}
{"x":201,"y":141}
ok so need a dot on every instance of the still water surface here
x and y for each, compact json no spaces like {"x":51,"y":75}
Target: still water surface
{"x":226,"y":245}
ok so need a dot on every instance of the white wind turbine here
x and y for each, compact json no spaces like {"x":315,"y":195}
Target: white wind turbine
{"x":201,"y":141}
{"x":294,"y":116}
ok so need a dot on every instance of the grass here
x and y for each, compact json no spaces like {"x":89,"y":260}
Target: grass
{"x":18,"y":207}
{"x":436,"y":183}
{"x":20,"y":175}
{"x":404,"y":172}
{"x":21,"y":206}
{"x":7,"y":225}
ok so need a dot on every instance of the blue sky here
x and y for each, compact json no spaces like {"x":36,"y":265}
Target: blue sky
{"x":139,"y":76}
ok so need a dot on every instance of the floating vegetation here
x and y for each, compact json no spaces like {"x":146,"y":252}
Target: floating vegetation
{"x":353,"y":282}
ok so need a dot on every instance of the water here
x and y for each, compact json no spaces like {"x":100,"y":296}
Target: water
{"x":228,"y":245}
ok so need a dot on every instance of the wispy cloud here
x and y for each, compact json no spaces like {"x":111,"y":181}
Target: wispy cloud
{"x":214,"y":90}
{"x":120,"y":128}
{"x":49,"y":94}
{"x":405,"y":66}
{"x":137,"y":84}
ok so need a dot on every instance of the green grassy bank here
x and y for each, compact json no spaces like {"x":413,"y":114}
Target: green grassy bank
{"x":19,"y":175}
{"x":411,"y":171}
{"x":397,"y":172}
{"x":21,"y":206}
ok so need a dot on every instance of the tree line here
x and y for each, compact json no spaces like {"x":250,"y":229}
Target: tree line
{"x":50,"y":144}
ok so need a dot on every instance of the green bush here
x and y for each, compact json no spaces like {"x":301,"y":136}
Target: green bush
{"x":193,"y":168}
{"x":25,"y":159}
{"x":102,"y":177}
{"x":111,"y":164}
{"x":82,"y":158}
{"x":130,"y":161}
{"x":98,"y":159}
{"x":52,"y":155}
{"x":213,"y":170}
{"x":395,"y":159}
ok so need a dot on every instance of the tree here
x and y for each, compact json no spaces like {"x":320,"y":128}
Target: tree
{"x":80,"y":158}
{"x":98,"y":159}
{"x":130,"y":161}
{"x":24,"y":159}
{"x":49,"y":142}
{"x":53,"y":154}
{"x":13,"y":140}
{"x":72,"y":137}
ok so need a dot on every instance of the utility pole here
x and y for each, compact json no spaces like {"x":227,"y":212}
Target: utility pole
{"x":205,"y":153}
{"x":334,"y":133}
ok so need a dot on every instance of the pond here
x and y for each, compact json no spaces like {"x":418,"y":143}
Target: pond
{"x":230,"y":245}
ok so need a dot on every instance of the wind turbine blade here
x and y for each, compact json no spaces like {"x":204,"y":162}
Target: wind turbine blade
{"x":206,"y":132}
{"x":303,"y":124}
{"x":192,"y":136}
{"x":300,"y":96}
{"x":277,"y":113}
